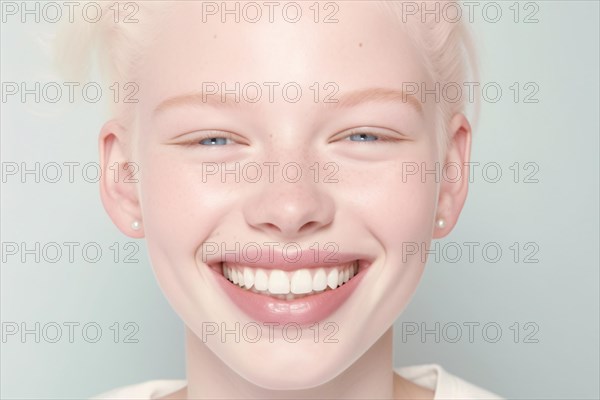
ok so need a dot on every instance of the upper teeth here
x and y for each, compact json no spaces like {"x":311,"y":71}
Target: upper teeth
{"x":288,"y":284}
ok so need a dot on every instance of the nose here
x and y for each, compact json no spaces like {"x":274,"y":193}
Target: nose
{"x":290,"y":210}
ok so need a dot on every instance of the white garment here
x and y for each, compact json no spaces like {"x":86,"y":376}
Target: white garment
{"x":430,"y":376}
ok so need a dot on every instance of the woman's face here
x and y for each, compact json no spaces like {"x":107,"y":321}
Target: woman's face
{"x":204,"y":201}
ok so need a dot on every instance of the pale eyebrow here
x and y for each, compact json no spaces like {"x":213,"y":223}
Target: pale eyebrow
{"x":346,"y":100}
{"x":357,"y":97}
{"x":196,"y":99}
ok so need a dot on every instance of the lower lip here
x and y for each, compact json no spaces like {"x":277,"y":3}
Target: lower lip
{"x":303,"y":311}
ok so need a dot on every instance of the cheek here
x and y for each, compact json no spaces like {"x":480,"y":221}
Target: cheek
{"x":180,"y":213}
{"x":398,"y":210}
{"x":168,"y":199}
{"x":393,"y":199}
{"x":177,"y":205}
{"x":407,"y":208}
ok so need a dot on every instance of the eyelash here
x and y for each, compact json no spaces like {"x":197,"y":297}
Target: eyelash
{"x":229,"y":136}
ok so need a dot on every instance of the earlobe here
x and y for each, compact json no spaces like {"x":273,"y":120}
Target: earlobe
{"x":118,"y":185}
{"x":454,"y":186}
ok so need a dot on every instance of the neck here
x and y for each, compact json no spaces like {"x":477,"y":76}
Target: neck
{"x":371,"y":376}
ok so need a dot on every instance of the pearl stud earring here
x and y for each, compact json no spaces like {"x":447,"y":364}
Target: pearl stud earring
{"x":441,"y":223}
{"x":135,"y":225}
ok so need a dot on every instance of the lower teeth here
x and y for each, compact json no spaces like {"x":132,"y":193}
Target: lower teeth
{"x":289,"y":296}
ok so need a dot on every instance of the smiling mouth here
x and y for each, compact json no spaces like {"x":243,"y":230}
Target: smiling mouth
{"x":289,"y":285}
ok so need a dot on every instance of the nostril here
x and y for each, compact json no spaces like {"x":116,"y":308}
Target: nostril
{"x":308,"y":226}
{"x":272,"y":226}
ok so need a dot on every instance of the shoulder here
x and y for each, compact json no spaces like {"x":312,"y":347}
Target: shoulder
{"x":147,"y":390}
{"x":444,"y":384}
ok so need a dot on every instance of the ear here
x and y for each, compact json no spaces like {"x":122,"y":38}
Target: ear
{"x":119,"y":183}
{"x":455,"y":179}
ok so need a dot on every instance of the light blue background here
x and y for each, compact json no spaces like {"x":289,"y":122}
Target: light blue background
{"x":559,"y":294}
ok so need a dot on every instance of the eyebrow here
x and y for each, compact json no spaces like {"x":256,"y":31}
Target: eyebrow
{"x":346,"y":100}
{"x":357,"y":97}
{"x":196,"y":99}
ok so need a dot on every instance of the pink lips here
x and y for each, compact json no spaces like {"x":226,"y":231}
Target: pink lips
{"x":302,"y":311}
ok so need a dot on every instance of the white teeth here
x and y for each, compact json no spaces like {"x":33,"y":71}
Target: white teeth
{"x":290,"y":285}
{"x":279,"y":283}
{"x":261,"y":280}
{"x":248,"y":278}
{"x":340,"y":278}
{"x":320,"y":280}
{"x":332,"y":279}
{"x":301,"y":282}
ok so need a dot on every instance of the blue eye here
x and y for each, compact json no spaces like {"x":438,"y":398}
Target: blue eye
{"x":363,"y":137}
{"x":211,"y":141}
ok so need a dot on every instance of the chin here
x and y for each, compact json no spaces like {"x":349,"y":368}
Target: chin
{"x":286,"y":366}
{"x":288,"y":377}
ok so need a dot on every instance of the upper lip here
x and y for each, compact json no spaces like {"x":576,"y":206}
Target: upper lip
{"x":291,"y":260}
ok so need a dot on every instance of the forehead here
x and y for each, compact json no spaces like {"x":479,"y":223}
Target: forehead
{"x":354,"y":44}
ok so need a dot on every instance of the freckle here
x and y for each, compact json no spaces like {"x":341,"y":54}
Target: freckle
{"x":214,"y":36}
{"x":360,"y":44}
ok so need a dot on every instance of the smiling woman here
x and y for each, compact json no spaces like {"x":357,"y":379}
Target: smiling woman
{"x":288,"y":286}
